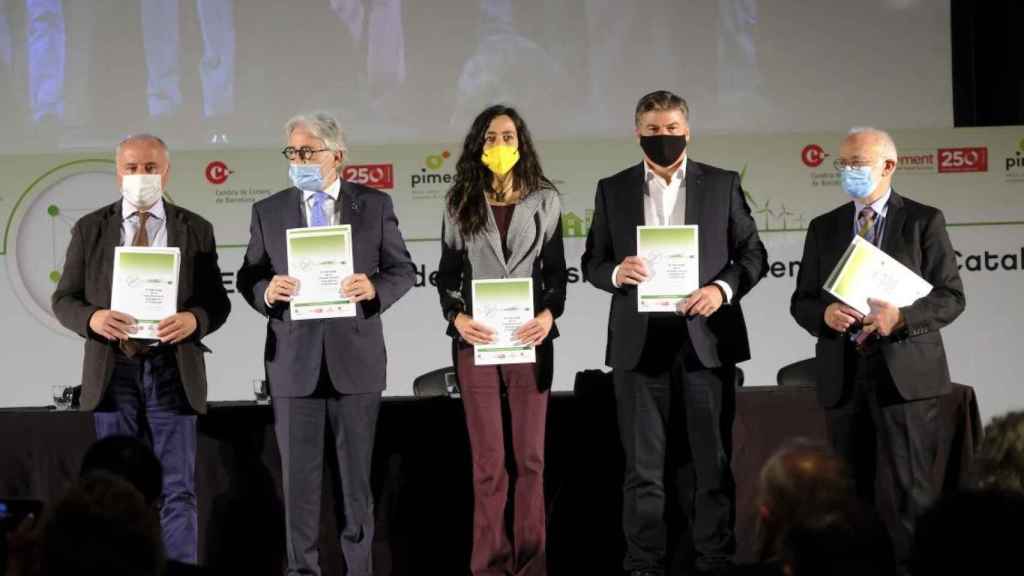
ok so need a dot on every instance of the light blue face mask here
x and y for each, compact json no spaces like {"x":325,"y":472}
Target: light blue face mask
{"x":306,"y":177}
{"x":857,"y":182}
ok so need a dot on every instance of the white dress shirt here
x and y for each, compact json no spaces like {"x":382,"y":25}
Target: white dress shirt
{"x":660,"y":203}
{"x":156,"y":224}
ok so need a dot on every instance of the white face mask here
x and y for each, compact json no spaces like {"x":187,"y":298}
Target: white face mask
{"x":142,"y":190}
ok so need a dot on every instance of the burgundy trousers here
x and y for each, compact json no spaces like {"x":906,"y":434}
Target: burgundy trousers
{"x":494,"y":551}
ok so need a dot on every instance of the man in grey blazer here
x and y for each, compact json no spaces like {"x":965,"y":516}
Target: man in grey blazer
{"x":148,"y":389}
{"x":325,"y":373}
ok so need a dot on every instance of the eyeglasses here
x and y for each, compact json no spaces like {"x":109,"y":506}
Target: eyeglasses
{"x":855,"y":164}
{"x":304,"y":154}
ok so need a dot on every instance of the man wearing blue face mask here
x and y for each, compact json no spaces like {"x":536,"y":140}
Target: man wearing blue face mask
{"x":880,"y":375}
{"x":325,"y":375}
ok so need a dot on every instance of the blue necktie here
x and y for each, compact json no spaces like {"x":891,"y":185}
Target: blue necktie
{"x":318,"y":217}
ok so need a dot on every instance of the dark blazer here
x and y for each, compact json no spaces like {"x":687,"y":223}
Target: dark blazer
{"x":535,"y":242}
{"x":915,"y":235}
{"x":85,"y":288}
{"x":353,"y":347}
{"x":730,"y":250}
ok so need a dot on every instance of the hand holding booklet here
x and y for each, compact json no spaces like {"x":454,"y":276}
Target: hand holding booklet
{"x":320,"y":257}
{"x":865,"y":271}
{"x":503,"y":306}
{"x":145,"y":286}
{"x":672,"y":257}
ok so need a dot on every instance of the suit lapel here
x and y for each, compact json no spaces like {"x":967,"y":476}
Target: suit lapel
{"x":842,"y":239}
{"x":522,"y":217}
{"x":693,"y":201}
{"x":895,"y":215}
{"x":294,"y":214}
{"x":348,"y":205}
{"x":635,"y":198}
{"x":110,"y":239}
{"x":177,"y":236}
{"x":694,"y":189}
{"x":176,"y":225}
{"x":493,"y":237}
{"x":349,"y":208}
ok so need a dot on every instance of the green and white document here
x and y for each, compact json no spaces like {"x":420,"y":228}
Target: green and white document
{"x":145,"y":286}
{"x":320,"y":258}
{"x":865,"y":271}
{"x":672,"y":257}
{"x":503,"y":305}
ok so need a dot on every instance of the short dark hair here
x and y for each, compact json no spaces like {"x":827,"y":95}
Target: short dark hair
{"x":1000,"y":461}
{"x":661,"y":100}
{"x":102,"y":526}
{"x":802,"y":480}
{"x":128,"y":458}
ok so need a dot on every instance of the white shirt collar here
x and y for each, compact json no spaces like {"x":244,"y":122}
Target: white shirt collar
{"x":333,"y":191}
{"x":157,"y":210}
{"x":880,"y":206}
{"x":680,"y":173}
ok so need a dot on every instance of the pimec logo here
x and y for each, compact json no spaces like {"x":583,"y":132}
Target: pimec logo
{"x":813,"y":155}
{"x":217,"y":172}
{"x":381,"y":176}
{"x":974,"y":159}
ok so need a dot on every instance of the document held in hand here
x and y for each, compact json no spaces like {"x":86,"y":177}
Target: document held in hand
{"x":865,"y":272}
{"x":503,"y":306}
{"x":673,"y":266}
{"x":320,"y":258}
{"x":145,"y":286}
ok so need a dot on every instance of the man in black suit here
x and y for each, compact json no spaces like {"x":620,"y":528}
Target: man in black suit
{"x":880,"y":375}
{"x":148,"y":389}
{"x":674,"y":374}
{"x":325,"y":373}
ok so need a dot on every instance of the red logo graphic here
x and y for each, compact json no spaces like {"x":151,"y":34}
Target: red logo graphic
{"x":963,"y":159}
{"x":813,"y":155}
{"x":217,"y":172}
{"x":381,"y":176}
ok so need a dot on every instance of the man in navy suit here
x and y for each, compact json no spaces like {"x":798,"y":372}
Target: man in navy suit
{"x":325,"y":373}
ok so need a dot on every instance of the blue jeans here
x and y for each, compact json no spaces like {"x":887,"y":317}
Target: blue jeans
{"x":145,"y":399}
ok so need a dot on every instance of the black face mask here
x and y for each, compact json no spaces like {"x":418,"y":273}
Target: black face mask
{"x":663,"y":150}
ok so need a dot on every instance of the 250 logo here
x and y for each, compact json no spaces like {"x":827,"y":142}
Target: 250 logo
{"x":963,"y":159}
{"x":380,"y":176}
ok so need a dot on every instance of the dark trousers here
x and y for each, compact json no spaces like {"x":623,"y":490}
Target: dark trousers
{"x":301,"y":425}
{"x":481,"y":387}
{"x":668,"y":406}
{"x":145,"y":399}
{"x":890,"y":445}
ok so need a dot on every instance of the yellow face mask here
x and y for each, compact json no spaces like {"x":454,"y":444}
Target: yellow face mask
{"x":500,"y":159}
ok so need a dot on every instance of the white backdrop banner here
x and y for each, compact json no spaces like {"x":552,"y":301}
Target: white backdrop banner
{"x":976,"y":176}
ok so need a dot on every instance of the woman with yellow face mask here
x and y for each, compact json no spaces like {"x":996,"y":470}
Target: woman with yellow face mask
{"x":503,"y":220}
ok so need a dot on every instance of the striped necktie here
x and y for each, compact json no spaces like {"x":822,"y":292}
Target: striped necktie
{"x":866,"y":224}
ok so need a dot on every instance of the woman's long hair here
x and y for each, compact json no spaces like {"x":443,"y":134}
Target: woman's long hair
{"x":465,"y":201}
